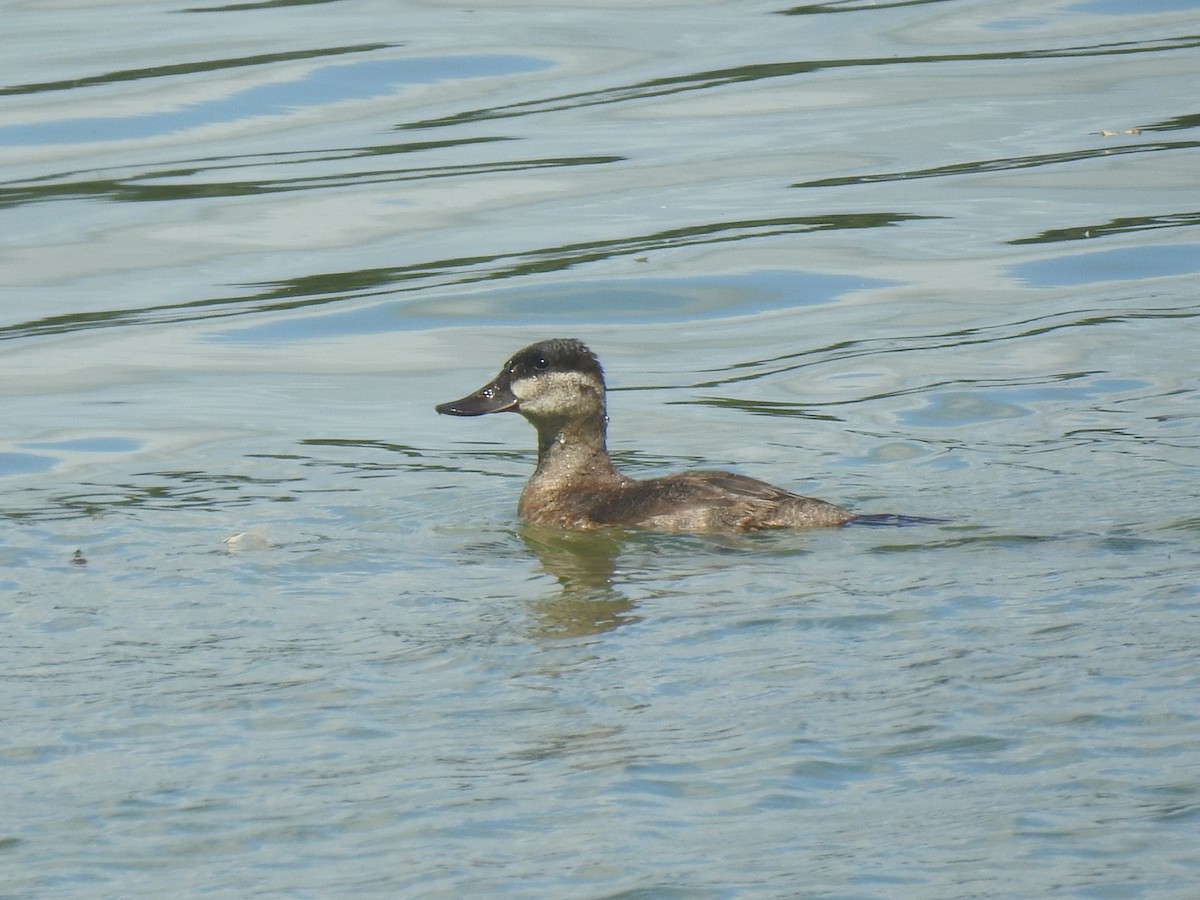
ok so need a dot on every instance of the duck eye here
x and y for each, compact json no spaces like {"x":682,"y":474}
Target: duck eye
{"x":541,"y":364}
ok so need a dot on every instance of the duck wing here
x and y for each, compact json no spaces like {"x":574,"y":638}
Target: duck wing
{"x":709,"y":501}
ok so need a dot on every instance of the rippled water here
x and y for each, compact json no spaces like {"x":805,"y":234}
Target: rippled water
{"x":269,"y":625}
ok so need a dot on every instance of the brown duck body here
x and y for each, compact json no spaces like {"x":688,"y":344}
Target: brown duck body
{"x":559,"y":387}
{"x":585,"y":494}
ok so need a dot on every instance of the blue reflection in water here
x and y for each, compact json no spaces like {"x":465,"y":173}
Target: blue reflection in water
{"x":88,"y":445}
{"x":1141,"y":8}
{"x":956,"y":408}
{"x":652,"y":300}
{"x":25,"y":463}
{"x":330,"y":84}
{"x":1121,"y":264}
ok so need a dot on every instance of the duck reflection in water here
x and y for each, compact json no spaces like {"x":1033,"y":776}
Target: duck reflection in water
{"x":584,"y":564}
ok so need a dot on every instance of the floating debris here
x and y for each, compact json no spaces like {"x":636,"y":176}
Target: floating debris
{"x":254,"y":539}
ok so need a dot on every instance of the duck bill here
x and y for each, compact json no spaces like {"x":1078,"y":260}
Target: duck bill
{"x":491,"y":398}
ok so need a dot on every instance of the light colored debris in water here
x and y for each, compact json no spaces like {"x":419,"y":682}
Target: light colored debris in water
{"x":254,"y":539}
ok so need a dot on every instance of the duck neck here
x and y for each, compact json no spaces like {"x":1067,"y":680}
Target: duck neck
{"x":571,"y":451}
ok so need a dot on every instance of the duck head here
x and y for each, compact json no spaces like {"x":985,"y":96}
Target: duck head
{"x":549,"y":383}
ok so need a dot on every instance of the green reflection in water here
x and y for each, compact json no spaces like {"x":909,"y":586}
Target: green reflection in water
{"x":355,"y":80}
{"x":840,"y":6}
{"x":1003,"y":332}
{"x":1001,"y":165}
{"x":570,"y":302}
{"x":311,"y":290}
{"x":713,"y":78}
{"x":466,"y":270}
{"x":266,"y":4}
{"x":169,"y":490}
{"x":150,"y":187}
{"x":1175,"y":123}
{"x":189,"y":68}
{"x":762,"y":408}
{"x":1121,"y":225}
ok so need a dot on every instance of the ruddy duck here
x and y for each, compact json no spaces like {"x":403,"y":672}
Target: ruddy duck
{"x":559,"y":387}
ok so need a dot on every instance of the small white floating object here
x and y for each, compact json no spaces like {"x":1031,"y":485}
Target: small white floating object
{"x":254,"y":539}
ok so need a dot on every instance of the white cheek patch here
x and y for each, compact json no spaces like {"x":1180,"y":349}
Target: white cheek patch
{"x":556,"y":394}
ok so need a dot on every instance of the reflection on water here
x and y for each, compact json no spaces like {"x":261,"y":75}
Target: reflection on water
{"x":975,"y":167}
{"x":587,"y":566}
{"x":1121,"y":225}
{"x":261,"y":612}
{"x":312,"y":290}
{"x":720,"y":78}
{"x":618,"y":301}
{"x":191,"y":68}
{"x":584,"y":564}
{"x":17,"y":463}
{"x":1117,"y":8}
{"x":1122,"y":264}
{"x":145,"y":491}
{"x":331,"y":84}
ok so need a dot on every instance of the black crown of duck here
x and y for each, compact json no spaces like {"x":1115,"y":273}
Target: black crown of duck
{"x":558,"y":386}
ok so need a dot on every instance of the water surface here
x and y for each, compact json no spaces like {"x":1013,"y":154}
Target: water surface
{"x":270,"y":625}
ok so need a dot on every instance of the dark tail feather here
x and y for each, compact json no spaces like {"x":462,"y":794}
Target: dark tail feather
{"x":891,"y":520}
